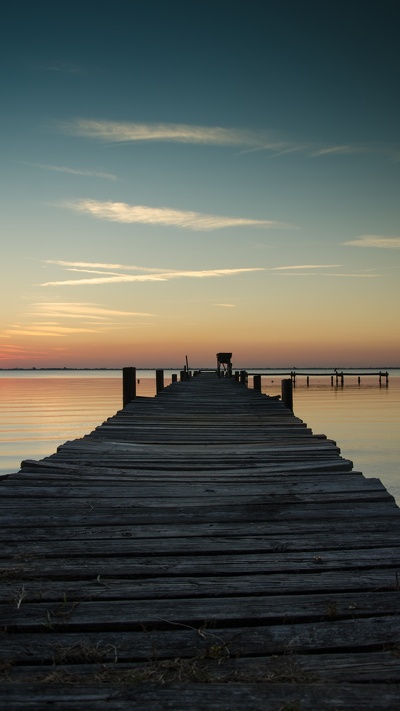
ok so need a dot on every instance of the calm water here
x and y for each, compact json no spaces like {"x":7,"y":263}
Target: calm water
{"x":40,"y":410}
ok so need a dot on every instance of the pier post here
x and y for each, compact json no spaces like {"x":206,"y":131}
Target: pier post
{"x":174,"y":377}
{"x":257,"y":382}
{"x":237,"y":376}
{"x":159,"y":381}
{"x":243,"y":377}
{"x":128,"y":385}
{"x":287,"y":393}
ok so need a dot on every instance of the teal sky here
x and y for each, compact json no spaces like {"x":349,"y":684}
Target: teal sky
{"x":200,"y":175}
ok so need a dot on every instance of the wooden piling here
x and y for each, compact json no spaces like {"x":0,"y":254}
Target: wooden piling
{"x":128,"y":385}
{"x":174,"y":377}
{"x":159,"y":380}
{"x":287,"y":393}
{"x":257,"y":382}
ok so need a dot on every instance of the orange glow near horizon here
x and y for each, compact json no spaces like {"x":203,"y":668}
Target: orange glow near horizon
{"x":162,"y":350}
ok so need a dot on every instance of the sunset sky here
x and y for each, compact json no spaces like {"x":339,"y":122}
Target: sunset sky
{"x":182,"y":177}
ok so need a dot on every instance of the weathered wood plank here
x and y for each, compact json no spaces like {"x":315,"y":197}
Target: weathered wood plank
{"x":178,"y":490}
{"x":105,"y":587}
{"x":330,"y":637}
{"x":352,"y":667}
{"x":302,"y":536}
{"x":65,"y":513}
{"x":206,"y":697}
{"x":24,"y":565}
{"x":130,"y":545}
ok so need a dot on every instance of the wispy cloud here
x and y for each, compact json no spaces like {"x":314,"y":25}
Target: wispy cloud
{"x":53,"y":331}
{"x":374,"y":241}
{"x":63,"y":67}
{"x":249,"y":140}
{"x":74,"y":171}
{"x":121,"y":274}
{"x":159,"y":276}
{"x":47,"y":319}
{"x":226,"y":306}
{"x":313,"y":270}
{"x":314,"y":150}
{"x":87,"y":310}
{"x":340,"y":150}
{"x":27,"y":354}
{"x":304,"y":266}
{"x":166,"y":216}
{"x":122,"y":132}
{"x":9,"y":352}
{"x":102,"y":266}
{"x":358,"y":275}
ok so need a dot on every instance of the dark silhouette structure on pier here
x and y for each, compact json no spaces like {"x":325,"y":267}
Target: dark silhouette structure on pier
{"x":224,"y":360}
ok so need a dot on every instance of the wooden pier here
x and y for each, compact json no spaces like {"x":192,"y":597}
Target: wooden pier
{"x":202,"y":550}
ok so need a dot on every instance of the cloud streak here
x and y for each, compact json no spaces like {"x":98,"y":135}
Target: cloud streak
{"x":374,"y":241}
{"x":47,"y":330}
{"x":155,"y":274}
{"x":87,"y":310}
{"x":164,"y":276}
{"x":168,"y":217}
{"x":62,"y":67}
{"x":102,"y":266}
{"x":89,"y":318}
{"x":74,"y":171}
{"x":115,"y":132}
{"x":123,"y":132}
{"x":331,"y":274}
{"x":304,"y":266}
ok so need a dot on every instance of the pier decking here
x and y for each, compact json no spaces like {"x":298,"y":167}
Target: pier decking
{"x":200,"y":550}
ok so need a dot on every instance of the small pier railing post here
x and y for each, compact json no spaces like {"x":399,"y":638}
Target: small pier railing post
{"x":128,"y":385}
{"x":287,"y":393}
